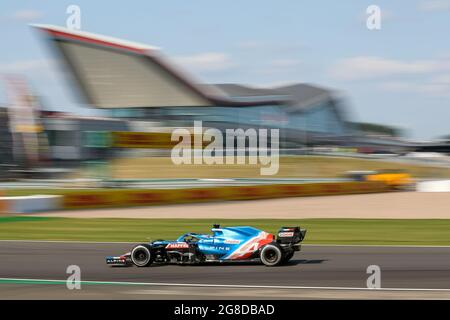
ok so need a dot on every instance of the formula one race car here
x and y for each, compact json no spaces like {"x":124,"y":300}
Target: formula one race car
{"x":225,"y":244}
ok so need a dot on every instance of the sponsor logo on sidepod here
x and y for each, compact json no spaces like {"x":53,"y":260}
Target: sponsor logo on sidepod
{"x":177,"y":245}
{"x":232,"y":241}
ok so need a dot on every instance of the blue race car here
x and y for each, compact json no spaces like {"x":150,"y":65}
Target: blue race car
{"x":223,"y":245}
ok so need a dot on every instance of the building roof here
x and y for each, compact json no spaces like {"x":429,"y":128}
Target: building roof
{"x":242,"y":91}
{"x":114,"y":73}
{"x":304,"y":92}
{"x":300,"y":95}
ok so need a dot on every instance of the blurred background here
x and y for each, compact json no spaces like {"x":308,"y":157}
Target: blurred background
{"x":91,"y":91}
{"x":81,"y":110}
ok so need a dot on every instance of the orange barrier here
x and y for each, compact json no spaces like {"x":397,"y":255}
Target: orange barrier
{"x":123,"y":139}
{"x":3,"y":204}
{"x":148,"y":140}
{"x":126,"y":198}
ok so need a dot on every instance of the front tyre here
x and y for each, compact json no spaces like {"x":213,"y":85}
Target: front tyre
{"x":271,"y":255}
{"x":141,"y":255}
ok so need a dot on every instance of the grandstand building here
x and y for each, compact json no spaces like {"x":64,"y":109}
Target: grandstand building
{"x":135,"y":82}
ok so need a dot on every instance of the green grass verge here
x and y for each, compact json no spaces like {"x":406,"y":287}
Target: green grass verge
{"x":290,"y":167}
{"x":320,"y":231}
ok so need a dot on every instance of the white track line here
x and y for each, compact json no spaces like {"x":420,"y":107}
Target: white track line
{"x":238,"y":286}
{"x":70,"y":241}
{"x":374,"y":245}
{"x":305,"y":245}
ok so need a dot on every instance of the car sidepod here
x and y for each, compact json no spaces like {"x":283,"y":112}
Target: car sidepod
{"x":249,"y":248}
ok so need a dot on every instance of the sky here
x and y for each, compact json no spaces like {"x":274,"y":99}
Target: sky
{"x":397,"y":75}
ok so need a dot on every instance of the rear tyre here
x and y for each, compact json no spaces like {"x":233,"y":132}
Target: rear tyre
{"x":141,"y":255}
{"x":271,"y":255}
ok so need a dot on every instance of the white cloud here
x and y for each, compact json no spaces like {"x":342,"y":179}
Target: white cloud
{"x":430,"y":77}
{"x":437,"y":85}
{"x":26,"y":15}
{"x":434,"y":5}
{"x":430,"y":88}
{"x":26,"y":66}
{"x":208,"y":61}
{"x":369,"y":67}
{"x":442,"y":79}
{"x":279,"y":67}
{"x":397,"y":86}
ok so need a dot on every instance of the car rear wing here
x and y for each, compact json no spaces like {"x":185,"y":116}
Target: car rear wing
{"x":290,"y":235}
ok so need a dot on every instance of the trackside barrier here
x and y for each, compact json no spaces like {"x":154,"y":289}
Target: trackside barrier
{"x":147,"y":140}
{"x":127,"y":198}
{"x":433,"y":186}
{"x":35,"y":203}
{"x":3,"y":205}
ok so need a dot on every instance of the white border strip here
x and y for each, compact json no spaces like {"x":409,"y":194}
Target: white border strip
{"x":206,"y":285}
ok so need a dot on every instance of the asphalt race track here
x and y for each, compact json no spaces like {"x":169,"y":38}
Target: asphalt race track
{"x":316,"y":272}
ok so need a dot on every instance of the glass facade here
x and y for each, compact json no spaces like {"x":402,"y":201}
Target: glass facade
{"x":297,"y":125}
{"x":321,"y":119}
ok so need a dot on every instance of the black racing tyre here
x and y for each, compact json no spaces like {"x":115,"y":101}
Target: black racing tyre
{"x":141,"y":255}
{"x":271,"y":255}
